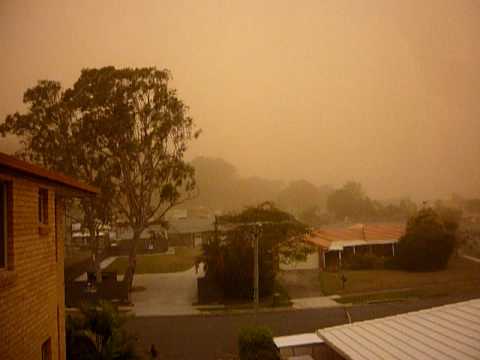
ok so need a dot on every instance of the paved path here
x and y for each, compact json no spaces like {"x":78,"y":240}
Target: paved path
{"x":165,"y":294}
{"x":314,"y":302}
{"x":471,"y":258}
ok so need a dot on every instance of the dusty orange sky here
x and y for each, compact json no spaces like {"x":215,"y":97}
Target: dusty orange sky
{"x":383,"y":92}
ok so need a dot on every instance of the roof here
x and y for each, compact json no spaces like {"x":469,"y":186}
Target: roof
{"x":297,"y":340}
{"x":17,"y":166}
{"x":445,"y":332}
{"x":357,"y":235}
{"x":191,"y":225}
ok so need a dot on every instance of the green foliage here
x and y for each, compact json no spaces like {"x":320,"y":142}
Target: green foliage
{"x":314,"y":217}
{"x":365,"y":262}
{"x":427,"y":244}
{"x":54,"y":134}
{"x":450,"y":216}
{"x":123,"y":130}
{"x":256,"y":343}
{"x":300,"y":195}
{"x":228,"y":256}
{"x":391,"y":263}
{"x":351,"y":202}
{"x":98,"y":335}
{"x":473,"y":205}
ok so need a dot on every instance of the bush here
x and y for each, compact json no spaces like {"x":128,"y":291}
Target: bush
{"x":364,"y":262}
{"x":391,"y":263}
{"x":256,"y":343}
{"x":427,"y":244}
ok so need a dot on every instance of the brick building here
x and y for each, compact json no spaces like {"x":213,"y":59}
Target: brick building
{"x":32,"y":216}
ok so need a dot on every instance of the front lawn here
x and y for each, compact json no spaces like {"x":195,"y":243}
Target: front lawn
{"x":460,"y":276}
{"x":182,"y":260}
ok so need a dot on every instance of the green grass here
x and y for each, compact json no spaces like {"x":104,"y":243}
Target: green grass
{"x":183,"y":260}
{"x":267,"y":302}
{"x":391,"y":296}
{"x":461,"y":275}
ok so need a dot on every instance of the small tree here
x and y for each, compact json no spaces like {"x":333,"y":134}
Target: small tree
{"x":98,"y":334}
{"x":256,"y":343}
{"x":229,"y":256}
{"x":427,"y":244}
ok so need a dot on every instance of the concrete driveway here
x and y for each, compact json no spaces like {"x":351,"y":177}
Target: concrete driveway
{"x":166,"y":294}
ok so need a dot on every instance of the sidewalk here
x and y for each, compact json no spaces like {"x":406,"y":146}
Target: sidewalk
{"x":315,"y":302}
{"x":471,"y":258}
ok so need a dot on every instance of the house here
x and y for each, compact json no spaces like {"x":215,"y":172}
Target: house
{"x":444,"y":332}
{"x":190,"y":231}
{"x":337,"y":244}
{"x":32,"y":217}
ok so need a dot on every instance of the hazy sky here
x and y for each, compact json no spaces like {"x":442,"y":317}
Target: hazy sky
{"x":384,"y":92}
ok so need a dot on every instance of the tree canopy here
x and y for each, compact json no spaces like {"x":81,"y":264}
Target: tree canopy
{"x":301,"y":195}
{"x":427,"y":244}
{"x":125,"y":130}
{"x":53,"y":132}
{"x":228,"y":256}
{"x":143,"y":130}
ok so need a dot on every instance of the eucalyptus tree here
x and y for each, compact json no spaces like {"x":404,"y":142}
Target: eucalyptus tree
{"x":53,"y":133}
{"x":142,"y":129}
{"x":124,"y":130}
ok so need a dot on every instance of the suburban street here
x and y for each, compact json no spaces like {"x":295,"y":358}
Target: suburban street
{"x":215,"y":336}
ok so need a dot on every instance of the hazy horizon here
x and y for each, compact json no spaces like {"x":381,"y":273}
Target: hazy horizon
{"x":381,"y":92}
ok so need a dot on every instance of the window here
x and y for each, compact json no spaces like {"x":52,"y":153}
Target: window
{"x":47,"y":350}
{"x":3,"y":225}
{"x":43,"y":206}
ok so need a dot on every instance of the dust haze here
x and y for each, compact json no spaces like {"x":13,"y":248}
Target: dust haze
{"x":381,"y":92}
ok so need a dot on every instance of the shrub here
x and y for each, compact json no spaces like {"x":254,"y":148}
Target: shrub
{"x":97,"y":334}
{"x":391,"y":263}
{"x":427,"y":244}
{"x":256,"y":343}
{"x":364,"y":262}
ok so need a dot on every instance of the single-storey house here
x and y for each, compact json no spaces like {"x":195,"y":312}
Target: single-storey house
{"x":335,"y":244}
{"x":190,"y":231}
{"x":32,"y":230}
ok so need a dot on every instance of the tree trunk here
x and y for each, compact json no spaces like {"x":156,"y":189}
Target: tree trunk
{"x":94,"y":248}
{"x":132,"y":260}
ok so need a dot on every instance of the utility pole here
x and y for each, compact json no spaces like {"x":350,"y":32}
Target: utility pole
{"x":256,"y":274}
{"x":256,"y":270}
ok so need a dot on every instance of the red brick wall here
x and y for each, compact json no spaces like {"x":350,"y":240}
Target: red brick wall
{"x":32,"y":288}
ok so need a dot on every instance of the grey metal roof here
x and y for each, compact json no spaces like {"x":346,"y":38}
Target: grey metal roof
{"x":191,"y":225}
{"x":445,"y":332}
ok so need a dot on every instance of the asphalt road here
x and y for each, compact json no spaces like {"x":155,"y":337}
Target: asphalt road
{"x":215,"y":336}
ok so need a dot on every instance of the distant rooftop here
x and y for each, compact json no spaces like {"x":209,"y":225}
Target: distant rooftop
{"x":440,"y":333}
{"x":357,"y":234}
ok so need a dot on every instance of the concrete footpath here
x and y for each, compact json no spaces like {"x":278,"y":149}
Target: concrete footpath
{"x":315,"y":302}
{"x":165,"y":294}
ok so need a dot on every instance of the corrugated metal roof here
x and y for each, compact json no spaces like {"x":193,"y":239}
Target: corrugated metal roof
{"x":445,"y":332}
{"x":358,"y":234}
{"x":297,"y":340}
